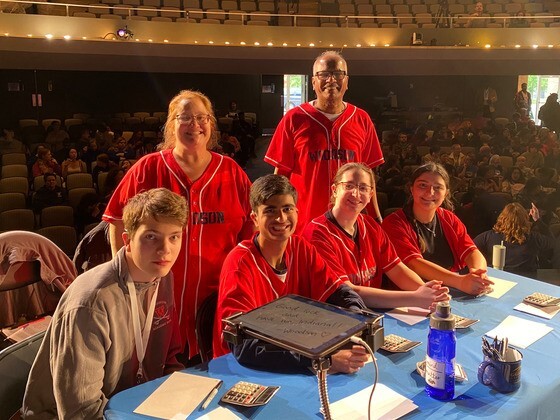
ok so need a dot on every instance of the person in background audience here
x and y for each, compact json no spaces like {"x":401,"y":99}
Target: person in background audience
{"x":114,"y":177}
{"x":45,"y":163}
{"x":103,"y":164}
{"x":523,"y":244}
{"x":8,"y":142}
{"x":534,"y":157}
{"x":522,"y":98}
{"x":73,"y":165}
{"x":475,"y":20}
{"x":314,"y":139}
{"x":549,"y":113}
{"x":90,"y":153}
{"x":125,"y":165}
{"x":56,"y":136}
{"x":357,"y":247}
{"x":89,"y":210}
{"x":433,"y":155}
{"x":90,"y":352}
{"x":217,"y":190}
{"x":431,"y":240}
{"x":521,"y":22}
{"x":49,"y":194}
{"x":457,"y":156}
{"x":521,"y":163}
{"x":513,"y":182}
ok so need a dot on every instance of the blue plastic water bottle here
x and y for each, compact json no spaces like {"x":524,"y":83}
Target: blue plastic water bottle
{"x":440,"y":360}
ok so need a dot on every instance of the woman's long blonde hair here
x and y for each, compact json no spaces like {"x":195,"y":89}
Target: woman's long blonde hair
{"x":169,"y":138}
{"x":513,"y":222}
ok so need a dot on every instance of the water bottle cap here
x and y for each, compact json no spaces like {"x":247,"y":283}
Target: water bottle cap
{"x":442,"y":318}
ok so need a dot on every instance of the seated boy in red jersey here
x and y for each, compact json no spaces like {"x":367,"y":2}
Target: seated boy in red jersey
{"x":273,"y":264}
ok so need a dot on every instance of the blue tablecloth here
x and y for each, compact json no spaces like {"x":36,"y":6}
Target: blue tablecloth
{"x":538,"y":397}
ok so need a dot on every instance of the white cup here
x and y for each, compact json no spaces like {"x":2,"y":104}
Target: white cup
{"x":499,"y":257}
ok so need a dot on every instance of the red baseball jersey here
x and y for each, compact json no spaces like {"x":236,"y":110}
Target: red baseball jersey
{"x":248,"y":281}
{"x":363,"y":262}
{"x":218,"y":219}
{"x":311,"y":148}
{"x":405,"y":239}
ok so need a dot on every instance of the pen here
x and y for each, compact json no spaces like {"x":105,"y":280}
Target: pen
{"x":211,"y":396}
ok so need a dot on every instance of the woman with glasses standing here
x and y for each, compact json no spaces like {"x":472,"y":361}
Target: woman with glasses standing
{"x":357,"y":247}
{"x":217,"y":192}
{"x":431,"y":240}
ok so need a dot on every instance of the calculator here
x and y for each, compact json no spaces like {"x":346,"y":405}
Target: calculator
{"x":248,"y":394}
{"x":540,"y":299}
{"x":397,"y":344}
{"x":462,"y":322}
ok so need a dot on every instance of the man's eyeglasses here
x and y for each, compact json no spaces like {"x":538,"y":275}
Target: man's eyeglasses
{"x":326,"y":75}
{"x":350,"y":186}
{"x":200,"y":119}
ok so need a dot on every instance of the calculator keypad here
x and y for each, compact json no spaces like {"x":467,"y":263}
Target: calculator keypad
{"x":540,"y":299}
{"x":249,"y":395}
{"x":396,"y":344}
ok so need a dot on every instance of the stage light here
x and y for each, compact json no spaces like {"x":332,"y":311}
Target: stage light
{"x":124,"y":33}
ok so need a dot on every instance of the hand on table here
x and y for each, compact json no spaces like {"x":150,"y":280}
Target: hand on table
{"x":349,"y":360}
{"x":476,"y":282}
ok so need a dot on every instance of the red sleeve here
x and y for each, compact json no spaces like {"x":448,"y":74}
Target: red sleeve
{"x":402,"y":236}
{"x":463,"y":243}
{"x":236,"y":293}
{"x":328,"y":250}
{"x":383,"y":250}
{"x":324,"y":280}
{"x":280,"y":153}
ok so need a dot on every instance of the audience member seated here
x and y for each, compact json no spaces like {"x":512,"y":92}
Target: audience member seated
{"x":49,"y":194}
{"x":8,"y":142}
{"x":45,"y":163}
{"x":114,"y":176}
{"x":274,"y":263}
{"x":488,"y":173}
{"x":533,"y":157}
{"x":121,"y":151}
{"x":433,"y":156}
{"x":457,"y":156}
{"x":93,"y":249}
{"x":409,"y":155}
{"x":244,"y":132}
{"x":521,"y":22}
{"x":73,"y":165}
{"x":233,"y":110}
{"x":523,"y":244}
{"x":104,"y":136}
{"x":513,"y":182}
{"x":90,"y":153}
{"x":56,"y":136}
{"x":89,"y":210}
{"x":225,"y":137}
{"x":475,"y":19}
{"x":89,"y":351}
{"x":521,"y":163}
{"x":431,"y":240}
{"x":103,"y":164}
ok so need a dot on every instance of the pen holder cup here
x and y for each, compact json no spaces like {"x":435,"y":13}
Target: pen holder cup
{"x":502,"y":376}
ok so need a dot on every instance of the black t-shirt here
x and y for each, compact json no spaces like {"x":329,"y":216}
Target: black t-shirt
{"x":437,"y":250}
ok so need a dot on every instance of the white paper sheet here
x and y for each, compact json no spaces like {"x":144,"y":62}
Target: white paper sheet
{"x":220,"y":413}
{"x":544,"y":312}
{"x":177,"y":397}
{"x":520,"y":332}
{"x":409,"y":315}
{"x":500,"y":287}
{"x":386,"y":404}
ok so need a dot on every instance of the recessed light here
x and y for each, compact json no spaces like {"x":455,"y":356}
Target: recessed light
{"x":298,"y":45}
{"x":242,"y":43}
{"x":387,"y":45}
{"x":67,"y":37}
{"x":29,"y":35}
{"x":166,"y":40}
{"x":550,"y":46}
{"x":84,"y":37}
{"x":210,"y":42}
{"x":257,"y":44}
{"x":535,"y":46}
{"x":150,"y":40}
{"x":517,"y":46}
{"x":284,"y":44}
{"x":358,"y":45}
{"x":227,"y":42}
{"x":311,"y":44}
{"x":331,"y":45}
{"x":270,"y":44}
{"x":488,"y":46}
{"x":49,"y":36}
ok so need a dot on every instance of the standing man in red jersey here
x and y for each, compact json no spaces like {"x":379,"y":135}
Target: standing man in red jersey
{"x":316,"y":138}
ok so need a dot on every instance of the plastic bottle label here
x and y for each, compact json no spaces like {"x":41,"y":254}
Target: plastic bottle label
{"x":435,"y":373}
